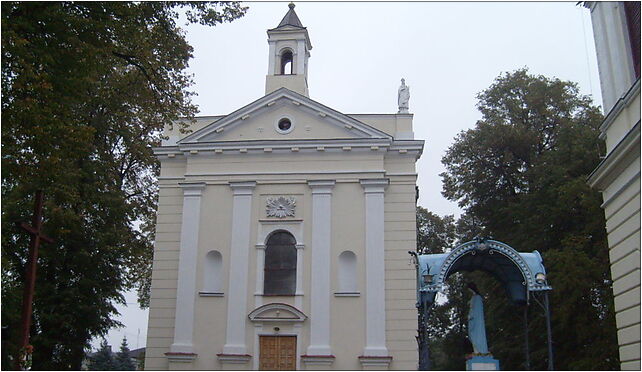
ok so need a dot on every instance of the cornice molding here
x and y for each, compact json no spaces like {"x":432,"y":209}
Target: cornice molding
{"x":388,"y":146}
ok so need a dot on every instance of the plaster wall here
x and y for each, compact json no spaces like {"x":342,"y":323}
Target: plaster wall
{"x":400,"y":237}
{"x":160,"y":331}
{"x":306,"y":125}
{"x":287,"y":166}
{"x":173,"y":132}
{"x":296,"y":83}
{"x":397,"y":125}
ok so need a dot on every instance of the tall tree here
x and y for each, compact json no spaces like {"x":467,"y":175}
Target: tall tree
{"x":86,"y":90}
{"x":521,"y":174}
{"x":123,"y":362}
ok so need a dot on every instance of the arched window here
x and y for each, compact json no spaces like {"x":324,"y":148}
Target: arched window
{"x":212,"y":275}
{"x":286,"y":63}
{"x":347,"y":272}
{"x":280,"y":265}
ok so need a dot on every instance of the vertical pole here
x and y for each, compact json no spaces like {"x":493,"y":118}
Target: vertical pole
{"x":548,"y":331}
{"x":424,"y":351}
{"x":30,"y":274}
{"x":526,"y":346}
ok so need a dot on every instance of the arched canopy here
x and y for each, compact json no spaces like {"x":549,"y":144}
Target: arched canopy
{"x":519,"y":273}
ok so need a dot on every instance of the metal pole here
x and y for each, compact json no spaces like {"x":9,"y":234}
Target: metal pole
{"x":30,"y":274}
{"x":424,"y":351}
{"x":528,"y":353}
{"x":548,"y":331}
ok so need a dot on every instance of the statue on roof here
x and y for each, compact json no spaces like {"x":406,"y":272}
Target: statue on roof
{"x":403,"y":96}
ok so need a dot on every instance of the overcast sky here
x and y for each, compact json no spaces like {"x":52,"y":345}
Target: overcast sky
{"x":447,"y":52}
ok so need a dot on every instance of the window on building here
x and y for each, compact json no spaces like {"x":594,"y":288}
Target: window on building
{"x":212,"y":275}
{"x":286,"y":63}
{"x":280,"y":265}
{"x":347,"y":272}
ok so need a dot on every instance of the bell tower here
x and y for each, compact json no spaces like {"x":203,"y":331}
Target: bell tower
{"x":288,"y":56}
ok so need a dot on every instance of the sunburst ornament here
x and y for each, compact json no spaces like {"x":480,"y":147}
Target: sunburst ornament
{"x":280,"y":207}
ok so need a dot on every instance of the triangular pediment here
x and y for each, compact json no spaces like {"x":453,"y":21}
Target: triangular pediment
{"x":277,"y":312}
{"x":259,"y":121}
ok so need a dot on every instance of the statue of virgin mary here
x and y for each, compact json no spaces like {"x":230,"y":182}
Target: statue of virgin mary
{"x":476,"y":325}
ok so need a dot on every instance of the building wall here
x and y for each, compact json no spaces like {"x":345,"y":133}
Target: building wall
{"x":618,"y":175}
{"x":287,"y":174}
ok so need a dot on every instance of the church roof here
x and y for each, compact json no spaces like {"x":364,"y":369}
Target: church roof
{"x":290,"y":19}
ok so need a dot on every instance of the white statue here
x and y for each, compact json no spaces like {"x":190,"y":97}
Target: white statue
{"x":403,"y":96}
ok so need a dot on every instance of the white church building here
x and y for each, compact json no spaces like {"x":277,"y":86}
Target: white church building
{"x":283,"y":230}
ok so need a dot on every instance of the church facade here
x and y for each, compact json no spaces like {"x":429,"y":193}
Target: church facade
{"x":283,"y":230}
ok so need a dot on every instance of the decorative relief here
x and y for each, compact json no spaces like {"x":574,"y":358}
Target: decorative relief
{"x":280,"y":207}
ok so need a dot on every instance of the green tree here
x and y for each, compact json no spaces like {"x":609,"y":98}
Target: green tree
{"x":520,"y":173}
{"x":123,"y":361}
{"x":86,"y":90}
{"x":446,"y":323}
{"x":434,"y":234}
{"x":102,"y":360}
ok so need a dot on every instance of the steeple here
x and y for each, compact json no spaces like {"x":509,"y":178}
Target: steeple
{"x":288,"y":56}
{"x":290,"y":18}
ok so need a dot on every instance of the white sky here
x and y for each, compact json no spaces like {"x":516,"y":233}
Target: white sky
{"x":447,"y":52}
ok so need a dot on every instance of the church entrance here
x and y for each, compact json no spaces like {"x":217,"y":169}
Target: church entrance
{"x":277,"y":353}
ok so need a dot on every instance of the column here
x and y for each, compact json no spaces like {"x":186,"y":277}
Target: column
{"x":188,"y":254}
{"x":320,"y":268}
{"x":239,"y":252}
{"x":375,"y":269}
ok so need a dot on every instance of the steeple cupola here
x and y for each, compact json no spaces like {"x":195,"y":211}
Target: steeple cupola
{"x":289,"y":52}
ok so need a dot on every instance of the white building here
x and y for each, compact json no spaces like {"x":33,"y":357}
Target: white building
{"x":616,"y":28}
{"x":283,"y":231}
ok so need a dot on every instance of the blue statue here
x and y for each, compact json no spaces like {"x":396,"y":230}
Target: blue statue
{"x":476,"y":325}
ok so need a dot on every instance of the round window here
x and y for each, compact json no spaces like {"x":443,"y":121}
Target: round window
{"x":284,"y":125}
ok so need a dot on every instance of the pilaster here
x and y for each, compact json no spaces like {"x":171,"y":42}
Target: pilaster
{"x":375,"y":270}
{"x":182,"y":348}
{"x":239,"y":253}
{"x":320,"y":270}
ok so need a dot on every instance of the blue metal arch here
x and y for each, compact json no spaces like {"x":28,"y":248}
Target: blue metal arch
{"x":434,"y":269}
{"x":437,"y":267}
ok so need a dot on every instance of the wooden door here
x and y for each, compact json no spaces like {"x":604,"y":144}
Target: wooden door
{"x":278,"y":353}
